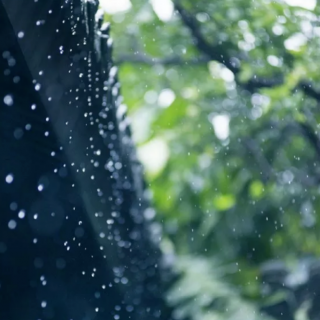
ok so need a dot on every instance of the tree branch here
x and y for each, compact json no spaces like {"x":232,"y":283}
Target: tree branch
{"x":211,"y":51}
{"x":219,"y":54}
{"x":168,"y":61}
{"x":313,"y":139}
{"x":252,"y":85}
{"x":265,"y":167}
{"x":257,"y":83}
{"x":308,"y":89}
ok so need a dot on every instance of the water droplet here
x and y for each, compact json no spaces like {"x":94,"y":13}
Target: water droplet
{"x":12,"y":224}
{"x":13,"y":206}
{"x":60,"y":263}
{"x":21,"y":214}
{"x":6,"y":54}
{"x":8,"y":100}
{"x":18,"y":133}
{"x":118,"y":165}
{"x":11,"y":62}
{"x":9,"y":178}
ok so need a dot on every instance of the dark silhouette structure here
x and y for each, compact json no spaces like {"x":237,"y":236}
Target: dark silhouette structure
{"x":74,"y":243}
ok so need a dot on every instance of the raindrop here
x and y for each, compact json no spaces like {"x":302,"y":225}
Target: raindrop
{"x":20,"y":34}
{"x":21,"y":214}
{"x":40,"y":22}
{"x":9,"y":178}
{"x":18,"y":133}
{"x":11,"y":62}
{"x":38,"y":262}
{"x":13,"y":206}
{"x":110,"y":221}
{"x":12,"y":224}
{"x":6,"y":54}
{"x":60,"y":263}
{"x":8,"y":100}
{"x":124,"y":280}
{"x":118,"y":165}
{"x":129,"y":308}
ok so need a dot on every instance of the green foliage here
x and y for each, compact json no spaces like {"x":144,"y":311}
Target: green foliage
{"x":202,"y":294}
{"x":249,"y":194}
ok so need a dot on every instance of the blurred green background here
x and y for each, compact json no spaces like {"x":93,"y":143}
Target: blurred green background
{"x":224,"y":101}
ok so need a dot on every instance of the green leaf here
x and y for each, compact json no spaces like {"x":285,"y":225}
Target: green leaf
{"x":256,"y":189}
{"x":224,"y":202}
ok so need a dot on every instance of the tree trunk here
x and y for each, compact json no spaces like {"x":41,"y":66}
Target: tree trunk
{"x":73,"y":240}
